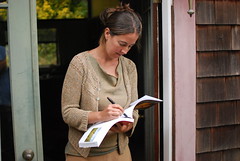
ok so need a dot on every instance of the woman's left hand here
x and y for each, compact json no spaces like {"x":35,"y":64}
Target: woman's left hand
{"x":121,"y":127}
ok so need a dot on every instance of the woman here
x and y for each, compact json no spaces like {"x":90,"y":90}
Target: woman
{"x":94,"y":75}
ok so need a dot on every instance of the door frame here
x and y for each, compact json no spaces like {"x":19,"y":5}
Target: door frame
{"x":167,"y":79}
{"x":157,"y":58}
{"x":24,"y":76}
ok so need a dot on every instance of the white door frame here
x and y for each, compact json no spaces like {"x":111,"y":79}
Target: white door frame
{"x":167,"y":79}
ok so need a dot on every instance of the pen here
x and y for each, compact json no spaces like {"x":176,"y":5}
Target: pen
{"x":112,"y":102}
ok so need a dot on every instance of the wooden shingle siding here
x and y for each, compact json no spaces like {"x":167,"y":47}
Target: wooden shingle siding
{"x":236,"y":38}
{"x":218,"y":64}
{"x":226,"y":11}
{"x":218,"y":80}
{"x":218,"y":38}
{"x":218,"y":114}
{"x":226,"y":155}
{"x":218,"y":89}
{"x":217,"y":139}
{"x":218,"y":12}
{"x":205,"y":12}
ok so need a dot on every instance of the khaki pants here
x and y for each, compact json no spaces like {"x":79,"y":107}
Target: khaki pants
{"x":113,"y":156}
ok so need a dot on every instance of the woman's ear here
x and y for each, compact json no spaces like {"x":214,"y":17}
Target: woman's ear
{"x":107,"y":33}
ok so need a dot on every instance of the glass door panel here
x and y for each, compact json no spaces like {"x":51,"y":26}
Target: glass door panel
{"x":7,"y":148}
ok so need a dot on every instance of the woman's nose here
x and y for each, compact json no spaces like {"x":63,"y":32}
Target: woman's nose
{"x":125,"y":50}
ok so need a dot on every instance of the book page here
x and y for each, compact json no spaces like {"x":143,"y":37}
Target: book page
{"x":142,"y":103}
{"x":96,"y":133}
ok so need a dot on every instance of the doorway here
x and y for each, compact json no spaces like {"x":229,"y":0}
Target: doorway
{"x":63,"y":38}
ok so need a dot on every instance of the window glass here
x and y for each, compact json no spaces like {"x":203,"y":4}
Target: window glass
{"x":47,"y":48}
{"x":62,"y":9}
{"x":3,"y":12}
{"x":6,"y":128}
{"x":55,"y":10}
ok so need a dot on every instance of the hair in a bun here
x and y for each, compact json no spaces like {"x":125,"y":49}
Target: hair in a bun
{"x":121,"y":20}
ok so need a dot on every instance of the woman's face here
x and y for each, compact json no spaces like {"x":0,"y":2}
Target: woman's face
{"x":119,"y":44}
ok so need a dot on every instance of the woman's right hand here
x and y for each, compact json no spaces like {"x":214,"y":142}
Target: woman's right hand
{"x":112,"y":111}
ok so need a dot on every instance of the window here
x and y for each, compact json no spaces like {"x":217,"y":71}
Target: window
{"x":62,"y":9}
{"x":47,"y":47}
{"x":49,"y":10}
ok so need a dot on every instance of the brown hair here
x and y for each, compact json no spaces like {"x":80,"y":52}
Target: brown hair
{"x":121,"y":20}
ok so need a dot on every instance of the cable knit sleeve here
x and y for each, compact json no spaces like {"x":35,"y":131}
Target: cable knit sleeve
{"x":72,"y":114}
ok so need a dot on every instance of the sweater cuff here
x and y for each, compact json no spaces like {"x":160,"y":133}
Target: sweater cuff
{"x":84,"y":123}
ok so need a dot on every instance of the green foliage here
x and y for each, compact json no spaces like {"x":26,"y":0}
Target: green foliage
{"x":47,"y":54}
{"x":54,"y":9}
{"x":3,"y":15}
{"x":57,"y":9}
{"x":62,"y":9}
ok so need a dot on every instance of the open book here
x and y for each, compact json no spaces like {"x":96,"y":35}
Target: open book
{"x":96,"y":133}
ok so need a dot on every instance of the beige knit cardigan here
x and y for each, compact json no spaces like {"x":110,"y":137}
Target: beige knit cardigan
{"x":80,"y":95}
